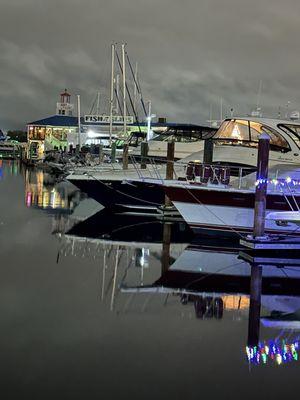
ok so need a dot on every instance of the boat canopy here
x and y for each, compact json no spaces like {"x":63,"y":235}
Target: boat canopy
{"x":291,"y":130}
{"x":185,"y":133}
{"x":247,"y":132}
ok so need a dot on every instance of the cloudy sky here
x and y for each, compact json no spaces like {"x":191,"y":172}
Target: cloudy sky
{"x":190,"y":53}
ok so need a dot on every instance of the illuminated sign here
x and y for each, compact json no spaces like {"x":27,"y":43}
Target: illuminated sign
{"x":116,"y":119}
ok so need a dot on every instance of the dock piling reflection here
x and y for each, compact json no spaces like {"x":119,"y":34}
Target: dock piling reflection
{"x":255,"y":305}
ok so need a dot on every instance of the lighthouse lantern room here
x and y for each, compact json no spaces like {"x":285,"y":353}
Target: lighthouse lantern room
{"x":64,"y":107}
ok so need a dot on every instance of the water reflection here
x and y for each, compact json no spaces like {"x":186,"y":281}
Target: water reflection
{"x":9,"y":168}
{"x":43,"y":191}
{"x":211,"y":281}
{"x":149,"y":266}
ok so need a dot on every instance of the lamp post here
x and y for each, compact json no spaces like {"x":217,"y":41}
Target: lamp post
{"x":149,"y":119}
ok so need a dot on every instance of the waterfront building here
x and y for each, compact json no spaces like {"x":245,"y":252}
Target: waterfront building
{"x":52,"y":132}
{"x":59,"y":131}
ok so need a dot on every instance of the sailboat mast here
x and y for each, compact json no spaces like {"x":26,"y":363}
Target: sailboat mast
{"x":117,"y":93}
{"x":135,"y":86}
{"x":79,"y":122}
{"x":111,"y":92}
{"x":98,"y":104}
{"x":149,"y":122}
{"x":124,"y":89}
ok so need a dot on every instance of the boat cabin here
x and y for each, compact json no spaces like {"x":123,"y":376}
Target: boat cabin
{"x":284,"y":135}
{"x":179,"y":133}
{"x":185,"y":133}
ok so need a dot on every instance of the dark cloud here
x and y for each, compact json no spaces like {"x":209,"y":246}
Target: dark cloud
{"x":190,"y":54}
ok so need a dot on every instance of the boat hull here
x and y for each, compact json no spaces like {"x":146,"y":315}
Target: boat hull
{"x":120,"y":193}
{"x":227,"y":213}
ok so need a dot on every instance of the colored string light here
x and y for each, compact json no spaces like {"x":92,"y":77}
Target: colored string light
{"x":277,"y":352}
{"x":277,"y":182}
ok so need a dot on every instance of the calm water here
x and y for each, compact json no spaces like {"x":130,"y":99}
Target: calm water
{"x":91,"y":309}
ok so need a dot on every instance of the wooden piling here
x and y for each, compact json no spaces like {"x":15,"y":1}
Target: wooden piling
{"x":170,"y":167}
{"x":113,"y":152}
{"x":261,"y":185}
{"x":170,"y":159}
{"x":144,"y":154}
{"x":100,"y":153}
{"x":208,"y":151}
{"x":165,"y":255}
{"x":125,"y":156}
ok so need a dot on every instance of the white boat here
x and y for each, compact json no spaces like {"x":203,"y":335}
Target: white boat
{"x":284,"y":217}
{"x":230,"y":149}
{"x":236,"y":141}
{"x":229,"y":209}
{"x":188,"y":139}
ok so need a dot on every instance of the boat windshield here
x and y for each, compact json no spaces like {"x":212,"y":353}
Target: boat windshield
{"x":246,"y":133}
{"x":292,"y":130}
{"x":183,"y":136}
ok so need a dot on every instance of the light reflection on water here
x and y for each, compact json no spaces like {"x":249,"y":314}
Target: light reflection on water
{"x":130,"y":285}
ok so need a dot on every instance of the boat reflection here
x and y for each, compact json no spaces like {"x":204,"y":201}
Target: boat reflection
{"x":147,"y":263}
{"x":283,"y":314}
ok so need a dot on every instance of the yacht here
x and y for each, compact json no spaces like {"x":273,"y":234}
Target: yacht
{"x":188,"y":139}
{"x":228,"y":209}
{"x":236,"y":144}
{"x":236,"y":141}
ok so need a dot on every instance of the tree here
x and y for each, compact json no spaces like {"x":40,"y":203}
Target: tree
{"x":19,"y":136}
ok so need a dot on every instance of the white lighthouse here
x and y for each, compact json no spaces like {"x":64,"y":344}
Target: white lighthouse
{"x":64,"y":107}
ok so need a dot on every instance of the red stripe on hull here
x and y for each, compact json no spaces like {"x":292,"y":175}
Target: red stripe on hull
{"x":239,"y":199}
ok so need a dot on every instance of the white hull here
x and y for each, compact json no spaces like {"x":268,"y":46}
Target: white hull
{"x":225,"y":218}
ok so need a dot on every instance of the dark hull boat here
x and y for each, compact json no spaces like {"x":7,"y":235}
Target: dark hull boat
{"x":120,"y":194}
{"x":106,"y":225}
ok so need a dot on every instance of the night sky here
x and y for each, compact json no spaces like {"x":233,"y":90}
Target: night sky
{"x":190,"y":54}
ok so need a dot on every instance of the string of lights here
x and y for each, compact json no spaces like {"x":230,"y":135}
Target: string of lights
{"x":279,"y":352}
{"x":276,"y":181}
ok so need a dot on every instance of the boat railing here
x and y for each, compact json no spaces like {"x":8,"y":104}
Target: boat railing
{"x":150,"y":169}
{"x":193,"y":172}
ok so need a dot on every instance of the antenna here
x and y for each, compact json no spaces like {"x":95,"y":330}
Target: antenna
{"x":258,"y":95}
{"x":210,"y":114}
{"x":287,"y":109}
{"x":221,"y":109}
{"x":279,"y":112}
